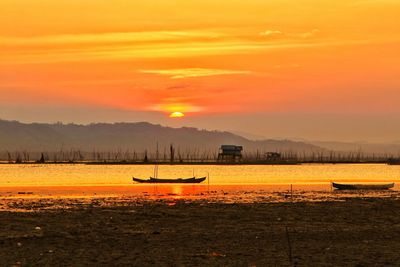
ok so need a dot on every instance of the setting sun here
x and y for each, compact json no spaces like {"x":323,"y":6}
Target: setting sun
{"x":176,"y":114}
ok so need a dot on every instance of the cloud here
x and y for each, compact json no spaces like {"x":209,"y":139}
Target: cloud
{"x":305,"y":35}
{"x":92,"y":46}
{"x":280,"y":34}
{"x":157,"y":44}
{"x":173,"y":107}
{"x":165,"y":50}
{"x":271,"y":33}
{"x":106,"y":38}
{"x":178,"y":87}
{"x":194,"y":72}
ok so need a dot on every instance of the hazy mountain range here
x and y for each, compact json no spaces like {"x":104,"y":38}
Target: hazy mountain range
{"x":133,"y":136}
{"x":369,"y":148}
{"x":392,"y":148}
{"x":140,"y":136}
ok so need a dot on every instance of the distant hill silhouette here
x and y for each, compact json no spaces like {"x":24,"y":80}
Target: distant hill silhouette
{"x":133,"y":136}
{"x":369,"y":148}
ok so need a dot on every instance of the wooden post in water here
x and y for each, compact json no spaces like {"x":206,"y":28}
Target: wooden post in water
{"x":208,"y":182}
{"x":291,"y":192}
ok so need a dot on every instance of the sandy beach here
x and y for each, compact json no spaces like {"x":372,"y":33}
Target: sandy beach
{"x":347,"y":231}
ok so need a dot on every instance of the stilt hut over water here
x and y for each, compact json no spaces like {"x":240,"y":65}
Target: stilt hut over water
{"x":230,"y":153}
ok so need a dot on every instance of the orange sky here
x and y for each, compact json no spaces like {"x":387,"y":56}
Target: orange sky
{"x":202,"y":57}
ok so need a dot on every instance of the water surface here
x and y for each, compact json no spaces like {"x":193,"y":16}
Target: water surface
{"x":32,"y":180}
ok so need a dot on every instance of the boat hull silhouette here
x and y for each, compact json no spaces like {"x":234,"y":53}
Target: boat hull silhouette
{"x":151,"y":180}
{"x":363,"y":186}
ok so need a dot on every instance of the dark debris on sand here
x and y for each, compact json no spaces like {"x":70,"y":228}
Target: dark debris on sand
{"x":355,"y":232}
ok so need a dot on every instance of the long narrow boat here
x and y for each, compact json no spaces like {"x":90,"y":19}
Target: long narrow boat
{"x":151,"y":180}
{"x":363,"y":186}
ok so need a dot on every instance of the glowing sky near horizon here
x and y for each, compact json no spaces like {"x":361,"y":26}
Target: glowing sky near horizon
{"x":202,"y":57}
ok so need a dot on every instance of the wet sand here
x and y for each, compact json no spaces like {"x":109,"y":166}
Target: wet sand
{"x":346,"y":230}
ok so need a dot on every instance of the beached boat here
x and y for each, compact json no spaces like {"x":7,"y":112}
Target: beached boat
{"x":151,"y":180}
{"x":363,"y":186}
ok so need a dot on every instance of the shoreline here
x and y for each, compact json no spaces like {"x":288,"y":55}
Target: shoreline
{"x":48,"y":198}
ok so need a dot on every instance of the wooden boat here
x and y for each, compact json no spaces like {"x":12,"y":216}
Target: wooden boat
{"x":363,"y":186}
{"x":151,"y":180}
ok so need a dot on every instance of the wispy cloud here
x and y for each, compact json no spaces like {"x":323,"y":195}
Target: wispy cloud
{"x":271,"y":33}
{"x":109,"y":45}
{"x":106,"y":38}
{"x":156,"y":44}
{"x":194,"y":72}
{"x":305,"y":35}
{"x":298,"y":35}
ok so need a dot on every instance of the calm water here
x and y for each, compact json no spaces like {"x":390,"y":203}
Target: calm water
{"x":116,"y":179}
{"x":120,"y":175}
